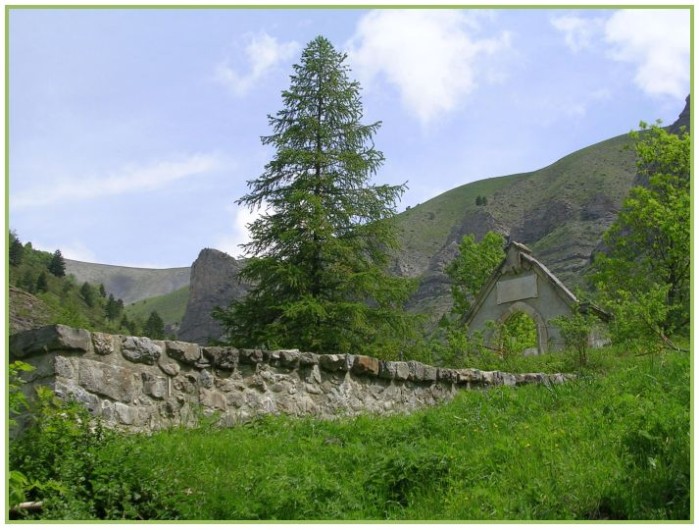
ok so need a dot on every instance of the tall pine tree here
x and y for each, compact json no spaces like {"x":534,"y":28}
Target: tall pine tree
{"x":320,"y":246}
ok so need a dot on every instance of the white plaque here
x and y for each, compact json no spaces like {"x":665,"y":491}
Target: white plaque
{"x":517,"y":289}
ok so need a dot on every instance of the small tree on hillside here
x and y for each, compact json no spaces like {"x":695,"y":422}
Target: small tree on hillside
{"x":154,"y":327}
{"x":320,"y":248}
{"x":16,"y":250}
{"x":42,"y":284}
{"x":57,"y":265}
{"x":88,"y":294}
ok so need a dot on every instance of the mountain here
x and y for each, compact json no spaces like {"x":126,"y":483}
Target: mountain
{"x":131,"y":284}
{"x":560,"y":212}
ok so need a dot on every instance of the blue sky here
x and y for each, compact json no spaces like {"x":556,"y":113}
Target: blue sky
{"x":133,"y":132}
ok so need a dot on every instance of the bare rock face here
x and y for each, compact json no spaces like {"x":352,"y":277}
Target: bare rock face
{"x":214,"y":282}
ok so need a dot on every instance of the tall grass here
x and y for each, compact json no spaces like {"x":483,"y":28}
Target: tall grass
{"x":606,"y":446}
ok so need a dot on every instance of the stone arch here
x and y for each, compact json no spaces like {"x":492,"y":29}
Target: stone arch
{"x":542,"y":332}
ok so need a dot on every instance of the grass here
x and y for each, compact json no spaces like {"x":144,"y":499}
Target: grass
{"x":171,"y":307}
{"x":614,"y":444}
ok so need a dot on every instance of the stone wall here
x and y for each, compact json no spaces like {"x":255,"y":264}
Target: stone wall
{"x":139,"y":384}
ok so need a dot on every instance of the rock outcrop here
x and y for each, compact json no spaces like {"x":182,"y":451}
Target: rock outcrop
{"x":213,"y":282}
{"x":138,"y":384}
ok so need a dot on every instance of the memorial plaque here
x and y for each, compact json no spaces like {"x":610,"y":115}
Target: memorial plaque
{"x":517,"y":289}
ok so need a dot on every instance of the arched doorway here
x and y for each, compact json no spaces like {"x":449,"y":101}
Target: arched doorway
{"x":522,"y":329}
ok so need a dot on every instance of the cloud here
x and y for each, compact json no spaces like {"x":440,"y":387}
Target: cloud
{"x":655,"y":41}
{"x":579,"y":33}
{"x":431,"y":56}
{"x":131,"y":179}
{"x":263,"y":53}
{"x":241,"y":217}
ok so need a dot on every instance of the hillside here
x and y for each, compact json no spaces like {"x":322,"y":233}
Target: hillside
{"x":560,"y":212}
{"x":131,"y":284}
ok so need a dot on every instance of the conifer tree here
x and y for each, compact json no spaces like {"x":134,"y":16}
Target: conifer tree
{"x":320,"y":247}
{"x":154,"y":327}
{"x":16,"y":250}
{"x":57,"y":265}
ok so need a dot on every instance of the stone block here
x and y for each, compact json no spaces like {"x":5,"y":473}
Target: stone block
{"x":171,"y":369}
{"x":402,"y":371}
{"x":364,"y":365}
{"x":212,"y":399}
{"x":222,"y":357}
{"x":247,"y":356}
{"x":103,"y":344}
{"x":156,"y":387}
{"x":63,"y":367}
{"x":206,"y":379}
{"x":429,"y":374}
{"x":140,"y":350}
{"x":49,"y":339}
{"x":333,"y":362}
{"x":125,"y":414}
{"x":416,"y":371}
{"x":289,"y":358}
{"x":308,"y":359}
{"x":185,"y":352}
{"x":387,"y":370}
{"x":447,"y":375}
{"x":115,"y":382}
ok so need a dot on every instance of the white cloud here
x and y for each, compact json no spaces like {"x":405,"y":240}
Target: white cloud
{"x":579,"y":33}
{"x":431,"y":56}
{"x":657,"y":42}
{"x":241,"y":217}
{"x":263,"y":53}
{"x":130,"y":179}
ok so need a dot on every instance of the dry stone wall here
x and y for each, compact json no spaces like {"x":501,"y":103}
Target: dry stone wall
{"x":138,"y":384}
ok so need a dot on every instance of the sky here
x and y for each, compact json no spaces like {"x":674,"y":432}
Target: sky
{"x":132,"y":132}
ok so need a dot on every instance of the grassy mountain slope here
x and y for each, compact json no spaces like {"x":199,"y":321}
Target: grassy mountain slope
{"x":560,"y":211}
{"x":170,"y":307}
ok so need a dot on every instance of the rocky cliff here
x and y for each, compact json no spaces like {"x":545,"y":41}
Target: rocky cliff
{"x":213,"y":282}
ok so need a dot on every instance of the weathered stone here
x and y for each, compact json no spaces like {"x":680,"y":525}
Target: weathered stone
{"x":509,"y":380}
{"x":103,"y":344}
{"x":247,"y":356}
{"x":289,"y":358}
{"x":333,"y":362}
{"x":156,"y":387}
{"x":416,"y":371}
{"x":225,"y":358}
{"x":429,"y":374}
{"x":184,"y":352}
{"x":171,"y":369}
{"x":63,"y":367}
{"x":206,"y":380}
{"x":387,"y":370}
{"x":125,"y":414}
{"x":115,"y":382}
{"x":365,"y":365}
{"x":212,"y":399}
{"x":447,"y":375}
{"x":49,"y":339}
{"x":402,"y":371}
{"x":140,"y":350}
{"x":308,"y":359}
